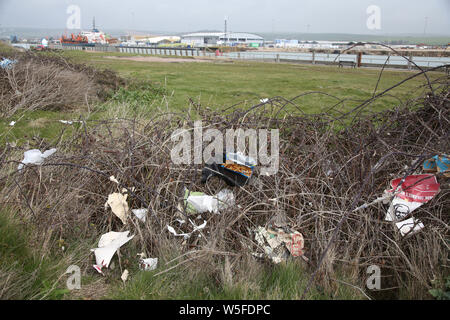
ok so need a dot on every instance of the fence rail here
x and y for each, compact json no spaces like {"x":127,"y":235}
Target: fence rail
{"x":290,"y":57}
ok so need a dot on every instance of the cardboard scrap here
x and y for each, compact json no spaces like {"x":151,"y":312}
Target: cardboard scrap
{"x":438,"y":164}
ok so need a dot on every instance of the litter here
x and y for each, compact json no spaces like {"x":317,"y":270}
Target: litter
{"x":7,"y":63}
{"x":263,"y":100}
{"x":12,"y":123}
{"x":119,"y":205}
{"x":113,"y":179}
{"x":187,"y":235}
{"x":414,"y":192}
{"x":172,"y":230}
{"x":439,"y":164}
{"x":141,"y":214}
{"x":191,"y":196}
{"x":35,"y":156}
{"x":148,"y":264}
{"x":198,"y":202}
{"x":236,"y":169}
{"x":239,"y":163}
{"x":409,"y":226}
{"x":278,"y":245}
{"x":108,"y":244}
{"x":70,"y":121}
{"x":125,"y":275}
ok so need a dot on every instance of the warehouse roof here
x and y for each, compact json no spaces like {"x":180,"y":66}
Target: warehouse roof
{"x":222,"y":34}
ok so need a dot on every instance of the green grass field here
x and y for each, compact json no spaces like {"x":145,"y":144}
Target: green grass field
{"x":219,"y":84}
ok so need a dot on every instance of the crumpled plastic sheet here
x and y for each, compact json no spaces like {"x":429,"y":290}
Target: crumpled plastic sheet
{"x":148,"y":264}
{"x":198,"y":202}
{"x":141,"y":214}
{"x":187,"y":235}
{"x":35,"y":156}
{"x":7,"y":63}
{"x":108,"y":244}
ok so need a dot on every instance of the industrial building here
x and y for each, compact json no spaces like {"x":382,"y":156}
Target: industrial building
{"x":206,"y":39}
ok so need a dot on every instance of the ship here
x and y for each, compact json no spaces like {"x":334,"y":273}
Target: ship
{"x":88,"y":38}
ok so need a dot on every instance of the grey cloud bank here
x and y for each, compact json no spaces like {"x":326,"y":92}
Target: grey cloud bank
{"x":319,"y":16}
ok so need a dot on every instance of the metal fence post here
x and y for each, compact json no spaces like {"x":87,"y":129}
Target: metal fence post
{"x":409,"y":62}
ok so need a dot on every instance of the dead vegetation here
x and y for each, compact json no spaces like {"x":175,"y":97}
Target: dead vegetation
{"x":330,"y":164}
{"x":43,"y":82}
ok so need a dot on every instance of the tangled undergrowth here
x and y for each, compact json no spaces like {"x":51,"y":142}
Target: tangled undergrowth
{"x":49,"y":82}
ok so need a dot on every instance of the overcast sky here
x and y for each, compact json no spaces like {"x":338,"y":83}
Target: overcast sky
{"x":322,"y":16}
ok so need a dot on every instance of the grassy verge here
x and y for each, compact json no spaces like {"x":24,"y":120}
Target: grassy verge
{"x":285,"y":281}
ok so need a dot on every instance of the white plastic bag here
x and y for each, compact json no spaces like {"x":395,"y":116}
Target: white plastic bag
{"x":107,"y":246}
{"x":204,"y":203}
{"x":35,"y":156}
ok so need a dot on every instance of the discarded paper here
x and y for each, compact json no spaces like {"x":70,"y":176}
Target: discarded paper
{"x":119,"y":205}
{"x":415,"y":191}
{"x":278,"y":244}
{"x":108,"y":244}
{"x":125,"y":275}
